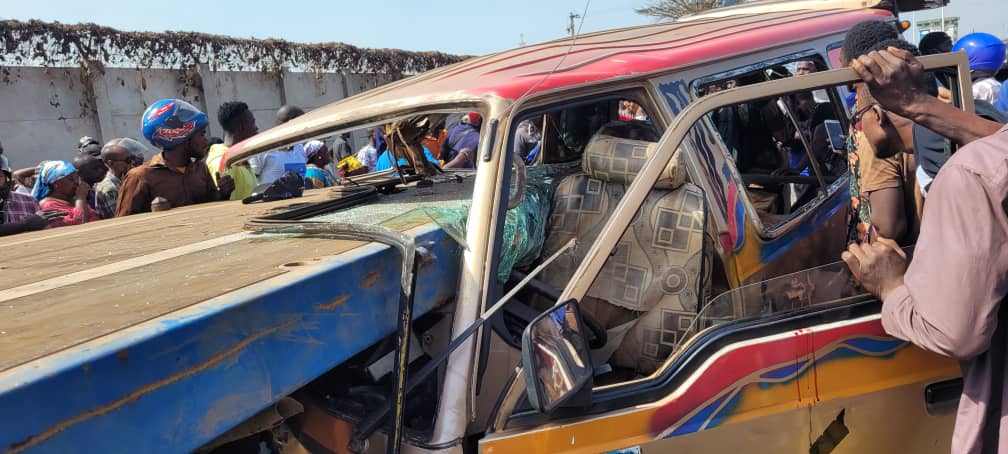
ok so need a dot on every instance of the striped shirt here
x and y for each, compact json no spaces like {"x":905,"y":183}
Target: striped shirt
{"x":18,"y":207}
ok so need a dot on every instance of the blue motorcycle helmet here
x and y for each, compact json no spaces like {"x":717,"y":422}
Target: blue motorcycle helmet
{"x":986,"y":52}
{"x":170,"y":122}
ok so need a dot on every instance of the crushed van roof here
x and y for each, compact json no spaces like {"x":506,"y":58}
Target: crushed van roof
{"x":593,"y":57}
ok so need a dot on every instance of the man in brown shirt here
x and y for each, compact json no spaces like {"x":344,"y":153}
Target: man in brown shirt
{"x":949,"y":299}
{"x":178,"y":174}
{"x":888,"y":175}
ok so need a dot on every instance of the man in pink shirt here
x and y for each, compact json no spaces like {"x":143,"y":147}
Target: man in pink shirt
{"x":949,"y":299}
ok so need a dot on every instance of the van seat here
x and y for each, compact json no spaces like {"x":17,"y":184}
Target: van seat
{"x":655,"y":273}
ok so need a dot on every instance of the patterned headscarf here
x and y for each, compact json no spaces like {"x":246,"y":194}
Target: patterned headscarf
{"x":312,"y":148}
{"x":49,"y":173}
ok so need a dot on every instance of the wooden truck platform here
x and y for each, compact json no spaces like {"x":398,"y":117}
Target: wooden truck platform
{"x":188,"y":322}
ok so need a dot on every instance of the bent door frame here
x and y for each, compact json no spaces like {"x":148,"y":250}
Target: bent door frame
{"x":638,"y":190}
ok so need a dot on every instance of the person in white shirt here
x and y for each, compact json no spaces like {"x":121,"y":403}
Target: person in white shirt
{"x":368,"y":154}
{"x":273,"y":164}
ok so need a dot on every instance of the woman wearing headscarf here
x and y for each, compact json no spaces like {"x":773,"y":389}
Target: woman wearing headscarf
{"x":319,"y":157}
{"x":57,"y":187}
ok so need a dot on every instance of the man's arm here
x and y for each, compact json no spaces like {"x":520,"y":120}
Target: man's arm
{"x":461,"y":159}
{"x":895,"y":78}
{"x":224,"y":187}
{"x":951,"y":122}
{"x":15,"y":228}
{"x":22,"y":175}
{"x":958,"y":277}
{"x":887,"y":214}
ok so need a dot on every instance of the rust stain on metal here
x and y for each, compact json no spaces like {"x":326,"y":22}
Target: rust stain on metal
{"x":123,"y":356}
{"x":139,"y":392}
{"x":370,"y":280}
{"x":332,"y":305}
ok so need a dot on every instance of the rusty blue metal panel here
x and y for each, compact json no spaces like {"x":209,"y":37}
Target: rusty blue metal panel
{"x":174,"y":383}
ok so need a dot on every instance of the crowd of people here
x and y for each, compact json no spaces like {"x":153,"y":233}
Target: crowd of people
{"x":909,"y":187}
{"x":116,"y":179}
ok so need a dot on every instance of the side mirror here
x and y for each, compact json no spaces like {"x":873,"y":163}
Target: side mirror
{"x":555,"y":357}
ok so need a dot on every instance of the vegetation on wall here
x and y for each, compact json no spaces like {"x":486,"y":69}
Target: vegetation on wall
{"x":37,"y":43}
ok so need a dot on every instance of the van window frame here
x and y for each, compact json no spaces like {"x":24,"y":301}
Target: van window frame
{"x":771,"y":232}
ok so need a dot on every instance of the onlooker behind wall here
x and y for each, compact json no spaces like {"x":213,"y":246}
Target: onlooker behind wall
{"x":273,"y":164}
{"x":59,"y":187}
{"x":89,"y":145}
{"x":20,"y":212}
{"x":341,"y":147}
{"x":119,"y":155}
{"x":319,"y":157}
{"x":238,"y":124}
{"x":91,"y":170}
{"x":178,"y":174}
{"x":368,"y":154}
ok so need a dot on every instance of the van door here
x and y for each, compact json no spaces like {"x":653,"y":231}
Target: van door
{"x":799,"y":363}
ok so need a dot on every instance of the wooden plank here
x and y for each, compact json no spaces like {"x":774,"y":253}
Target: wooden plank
{"x":37,"y":256}
{"x":66,"y":286}
{"x":33,"y":326}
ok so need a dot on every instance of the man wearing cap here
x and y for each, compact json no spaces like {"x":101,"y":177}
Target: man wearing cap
{"x":89,"y":146}
{"x":178,"y":173}
{"x":91,"y":170}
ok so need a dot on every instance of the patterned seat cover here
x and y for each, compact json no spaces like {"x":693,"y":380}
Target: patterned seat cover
{"x":657,"y":269}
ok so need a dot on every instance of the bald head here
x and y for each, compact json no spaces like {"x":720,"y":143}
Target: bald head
{"x":113,"y":151}
{"x":288,"y":113}
{"x":122,"y":154}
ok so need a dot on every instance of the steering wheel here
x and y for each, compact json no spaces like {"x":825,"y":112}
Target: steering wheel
{"x":517,"y":315}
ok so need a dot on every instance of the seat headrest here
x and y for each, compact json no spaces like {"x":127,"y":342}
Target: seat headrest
{"x":617,"y":160}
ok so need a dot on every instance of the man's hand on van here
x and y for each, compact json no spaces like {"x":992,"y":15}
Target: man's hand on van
{"x":897,"y":81}
{"x":895,"y":78}
{"x":879,"y":266}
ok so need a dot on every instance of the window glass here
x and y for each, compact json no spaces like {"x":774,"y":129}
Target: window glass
{"x":781,"y":146}
{"x":663,"y":270}
{"x":560,"y":134}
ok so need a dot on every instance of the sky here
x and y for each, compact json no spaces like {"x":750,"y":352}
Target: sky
{"x":458,"y":27}
{"x":974,"y":16}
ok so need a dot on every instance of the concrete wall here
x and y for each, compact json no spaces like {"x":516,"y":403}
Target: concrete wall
{"x":47,"y":110}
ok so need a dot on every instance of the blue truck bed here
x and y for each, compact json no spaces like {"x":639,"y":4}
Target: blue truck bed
{"x":268,"y":314}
